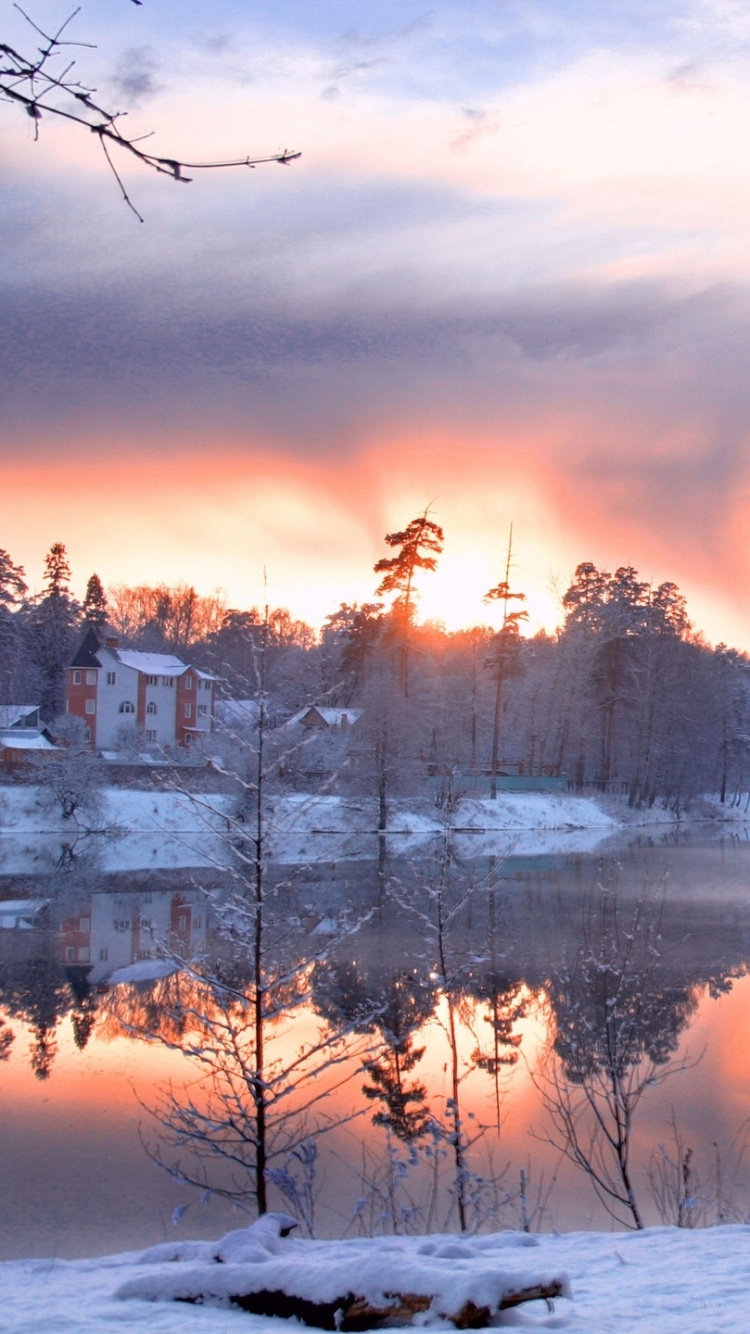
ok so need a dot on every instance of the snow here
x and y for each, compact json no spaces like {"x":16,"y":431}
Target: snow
{"x":665,"y":1279}
{"x":23,"y":811}
{"x":10,"y":714}
{"x":335,"y":718}
{"x":14,"y":739}
{"x":156,"y":829}
{"x":153,"y":664}
{"x":19,"y":914}
{"x":145,"y":970}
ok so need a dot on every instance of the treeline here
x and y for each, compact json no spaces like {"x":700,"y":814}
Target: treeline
{"x":625,"y":696}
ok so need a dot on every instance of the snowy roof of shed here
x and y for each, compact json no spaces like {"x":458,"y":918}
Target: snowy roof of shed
{"x":11,"y":714}
{"x":20,"y":913}
{"x":12,"y":739}
{"x":333,"y":717}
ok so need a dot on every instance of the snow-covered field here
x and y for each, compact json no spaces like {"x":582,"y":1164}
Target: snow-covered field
{"x":662,"y":1279}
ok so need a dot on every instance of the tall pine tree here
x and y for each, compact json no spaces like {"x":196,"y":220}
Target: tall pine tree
{"x":54,"y":623}
{"x":95,"y":608}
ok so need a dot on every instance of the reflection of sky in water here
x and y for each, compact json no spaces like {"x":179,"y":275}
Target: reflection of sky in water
{"x":75,"y":1178}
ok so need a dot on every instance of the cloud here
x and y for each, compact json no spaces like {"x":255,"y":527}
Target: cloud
{"x":134,"y":78}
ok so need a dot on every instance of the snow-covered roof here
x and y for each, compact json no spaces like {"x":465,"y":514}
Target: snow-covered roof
{"x":332,"y":717}
{"x":237,"y":710}
{"x":151,"y":664}
{"x":20,"y":913}
{"x":145,"y":970}
{"x":12,"y":714}
{"x":12,"y":739}
{"x":204,"y":676}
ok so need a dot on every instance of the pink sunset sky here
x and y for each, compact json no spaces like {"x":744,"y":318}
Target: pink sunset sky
{"x":508,"y":278}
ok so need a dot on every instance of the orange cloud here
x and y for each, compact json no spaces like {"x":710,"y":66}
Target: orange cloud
{"x":216,"y":515}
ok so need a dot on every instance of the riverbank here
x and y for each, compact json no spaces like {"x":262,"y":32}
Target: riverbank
{"x":28,"y":809}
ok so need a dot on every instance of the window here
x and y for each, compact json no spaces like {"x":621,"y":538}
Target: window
{"x":76,"y":678}
{"x":84,"y":954}
{"x":182,"y":922}
{"x":90,"y":706}
{"x":151,"y":707}
{"x":188,"y":682}
{"x":111,"y":678}
{"x":70,"y":954}
{"x":87,"y":733}
{"x":188,"y":708}
{"x":91,"y":678}
{"x":84,"y":923}
{"x":125,"y":707}
{"x":152,"y":680}
{"x":167,"y":680}
{"x":103,"y":954}
{"x":150,"y":736}
{"x":202,"y":711}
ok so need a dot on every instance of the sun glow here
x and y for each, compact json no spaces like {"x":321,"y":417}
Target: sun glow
{"x":237,"y":509}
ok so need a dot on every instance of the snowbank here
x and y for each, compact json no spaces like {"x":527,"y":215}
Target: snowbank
{"x":448,"y":1270}
{"x":664,"y":1279}
{"x":23,"y":811}
{"x":159,"y":830}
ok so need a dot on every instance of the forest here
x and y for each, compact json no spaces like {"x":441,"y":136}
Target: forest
{"x":626,"y":697}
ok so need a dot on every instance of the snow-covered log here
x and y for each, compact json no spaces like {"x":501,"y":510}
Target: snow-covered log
{"x":350,"y":1285}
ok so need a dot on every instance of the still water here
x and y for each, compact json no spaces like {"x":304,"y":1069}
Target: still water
{"x":448,"y":974}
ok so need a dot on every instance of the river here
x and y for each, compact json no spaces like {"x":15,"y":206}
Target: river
{"x":447,"y":971}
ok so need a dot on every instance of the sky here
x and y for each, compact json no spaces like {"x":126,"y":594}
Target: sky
{"x":507,"y":279}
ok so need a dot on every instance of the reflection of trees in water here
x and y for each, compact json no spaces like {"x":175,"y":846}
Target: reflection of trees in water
{"x":444,"y":946}
{"x":7,"y":1038}
{"x":617,"y":1018}
{"x":37,"y":992}
{"x":381,"y":996}
{"x":257,"y":1094}
{"x":404,"y":1111}
{"x":40,"y":992}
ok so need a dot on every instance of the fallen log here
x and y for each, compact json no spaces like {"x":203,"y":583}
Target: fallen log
{"x":351,"y":1314}
{"x":353,"y":1285}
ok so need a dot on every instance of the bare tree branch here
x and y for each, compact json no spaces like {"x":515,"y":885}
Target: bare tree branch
{"x":33,"y":82}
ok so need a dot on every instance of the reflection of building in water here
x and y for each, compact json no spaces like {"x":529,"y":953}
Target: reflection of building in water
{"x":111,"y":931}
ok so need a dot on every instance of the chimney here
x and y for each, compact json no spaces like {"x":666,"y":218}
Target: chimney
{"x":112,"y":641}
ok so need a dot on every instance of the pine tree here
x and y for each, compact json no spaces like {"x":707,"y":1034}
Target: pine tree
{"x":95,"y":609}
{"x":504,"y":660}
{"x":12,"y":593}
{"x":12,"y":582}
{"x":418,"y":538}
{"x":54,"y":621}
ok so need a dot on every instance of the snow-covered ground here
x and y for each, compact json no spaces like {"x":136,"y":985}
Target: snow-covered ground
{"x":158,"y":830}
{"x":662,"y":1279}
{"x":23,"y":811}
